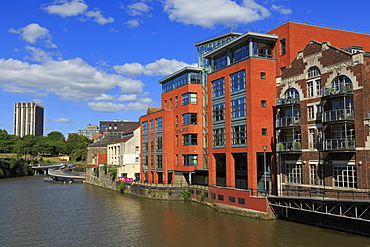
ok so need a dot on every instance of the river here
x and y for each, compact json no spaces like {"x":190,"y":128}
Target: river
{"x":38,"y":213}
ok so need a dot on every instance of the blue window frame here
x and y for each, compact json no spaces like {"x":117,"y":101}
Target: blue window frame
{"x":218,"y":88}
{"x":238,"y":108}
{"x":237,"y":81}
{"x":189,"y":98}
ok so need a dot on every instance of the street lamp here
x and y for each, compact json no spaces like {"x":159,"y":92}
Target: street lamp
{"x":264,"y":166}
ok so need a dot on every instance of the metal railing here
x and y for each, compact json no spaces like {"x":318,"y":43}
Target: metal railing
{"x":288,"y":100}
{"x":343,"y":88}
{"x":340,"y":144}
{"x":288,"y":121}
{"x":338,"y":115}
{"x":292,"y":146}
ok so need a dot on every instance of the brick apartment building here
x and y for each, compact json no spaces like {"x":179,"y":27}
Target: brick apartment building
{"x":232,"y":146}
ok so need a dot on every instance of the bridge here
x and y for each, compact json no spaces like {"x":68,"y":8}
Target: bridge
{"x":59,"y":171}
{"x":350,"y":215}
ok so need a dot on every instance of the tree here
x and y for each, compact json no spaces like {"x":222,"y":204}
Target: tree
{"x":7,"y":141}
{"x":76,"y":142}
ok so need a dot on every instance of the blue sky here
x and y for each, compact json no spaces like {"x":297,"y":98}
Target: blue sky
{"x":87,"y":61}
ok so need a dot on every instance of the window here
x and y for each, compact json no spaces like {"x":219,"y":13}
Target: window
{"x":159,"y":162}
{"x":311,"y":112}
{"x":283,"y":47}
{"x":171,"y":106}
{"x":159,"y":143}
{"x":189,"y":118}
{"x":218,"y":111}
{"x":240,"y":52}
{"x":137,"y":159}
{"x":177,"y":101}
{"x":136,"y":148}
{"x":263,"y":75}
{"x":190,"y":139}
{"x":145,"y":128}
{"x":237,"y":81}
{"x":263,"y":103}
{"x":190,"y":159}
{"x":218,"y":88}
{"x":239,"y":134}
{"x":264,"y":132}
{"x":159,"y":124}
{"x":310,"y":89}
{"x":313,"y":72}
{"x":318,"y":87}
{"x":219,"y":137}
{"x":321,"y":174}
{"x":238,"y":107}
{"x":311,"y":138}
{"x":231,"y":199}
{"x":313,"y":174}
{"x":220,"y":61}
{"x":189,"y":98}
{"x":294,"y":173}
{"x":177,"y":140}
{"x":177,"y":120}
{"x":342,"y":84}
{"x":344,"y":176}
{"x":319,"y":111}
{"x":241,"y":201}
{"x":220,"y":197}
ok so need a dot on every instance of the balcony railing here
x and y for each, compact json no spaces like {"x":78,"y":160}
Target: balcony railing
{"x":287,"y":100}
{"x":293,"y":146}
{"x":339,"y":144}
{"x":338,"y":115}
{"x":288,"y":121}
{"x":345,"y":88}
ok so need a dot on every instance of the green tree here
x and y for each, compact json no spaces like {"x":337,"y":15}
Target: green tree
{"x":7,"y":141}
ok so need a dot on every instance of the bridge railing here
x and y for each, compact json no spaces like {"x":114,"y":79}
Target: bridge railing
{"x":325,"y":193}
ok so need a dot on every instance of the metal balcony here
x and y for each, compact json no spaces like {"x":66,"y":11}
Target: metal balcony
{"x":288,"y":122}
{"x":338,"y":115}
{"x":342,"y":89}
{"x":292,"y":146}
{"x":340,"y":144}
{"x":287,"y":101}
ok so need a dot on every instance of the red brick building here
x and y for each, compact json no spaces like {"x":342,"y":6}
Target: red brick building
{"x":322,"y":122}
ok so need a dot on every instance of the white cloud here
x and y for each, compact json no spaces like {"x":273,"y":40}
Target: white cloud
{"x":39,"y":55}
{"x":159,"y":67}
{"x":59,"y":120}
{"x":225,"y":12}
{"x":127,"y":98}
{"x":138,"y":9}
{"x":33,"y":33}
{"x":113,"y":107}
{"x":66,"y":8}
{"x":99,"y":18}
{"x":282,"y":9}
{"x":37,"y":101}
{"x":133,"y":23}
{"x":105,"y":97}
{"x":71,"y":79}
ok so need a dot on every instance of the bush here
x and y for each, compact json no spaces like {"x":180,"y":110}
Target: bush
{"x":121,"y":187}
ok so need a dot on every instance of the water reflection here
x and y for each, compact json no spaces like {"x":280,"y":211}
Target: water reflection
{"x":36,"y":213}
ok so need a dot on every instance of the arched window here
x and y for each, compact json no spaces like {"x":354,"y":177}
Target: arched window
{"x":342,"y":84}
{"x":313,"y":71}
{"x":314,"y":87}
{"x":292,"y":95}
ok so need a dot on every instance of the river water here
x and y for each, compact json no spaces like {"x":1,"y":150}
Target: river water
{"x":38,"y":213}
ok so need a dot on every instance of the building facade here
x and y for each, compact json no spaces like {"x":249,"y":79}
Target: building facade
{"x":89,"y":131}
{"x":28,"y":119}
{"x":125,"y":154}
{"x":322,"y":122}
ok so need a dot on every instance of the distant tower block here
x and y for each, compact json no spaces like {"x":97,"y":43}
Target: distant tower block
{"x":28,"y":119}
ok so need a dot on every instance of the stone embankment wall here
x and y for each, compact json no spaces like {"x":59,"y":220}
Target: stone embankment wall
{"x":199,"y":194}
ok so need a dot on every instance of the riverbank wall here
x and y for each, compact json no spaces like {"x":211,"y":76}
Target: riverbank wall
{"x":199,"y":194}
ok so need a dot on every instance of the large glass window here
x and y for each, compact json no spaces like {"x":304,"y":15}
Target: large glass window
{"x":220,"y":61}
{"x":313,"y":174}
{"x":189,"y":118}
{"x":218,"y":88}
{"x":189,"y":98}
{"x":239,"y":134}
{"x":262,"y":48}
{"x":190,"y":139}
{"x":237,"y":81}
{"x":344,"y":176}
{"x":294,"y":173}
{"x":193,"y":77}
{"x":238,"y":107}
{"x":218,"y":111}
{"x":159,"y":123}
{"x":159,"y":143}
{"x":159,"y":161}
{"x":240,"y":52}
{"x":190,"y":159}
{"x":219,"y":137}
{"x":145,"y":128}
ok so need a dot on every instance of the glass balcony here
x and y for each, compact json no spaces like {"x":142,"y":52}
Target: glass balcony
{"x":288,"y":121}
{"x":287,"y":100}
{"x":338,"y":115}
{"x":340,"y":89}
{"x":292,"y":146}
{"x":339,"y":144}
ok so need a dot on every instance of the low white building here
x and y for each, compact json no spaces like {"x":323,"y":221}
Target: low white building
{"x":125,"y":154}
